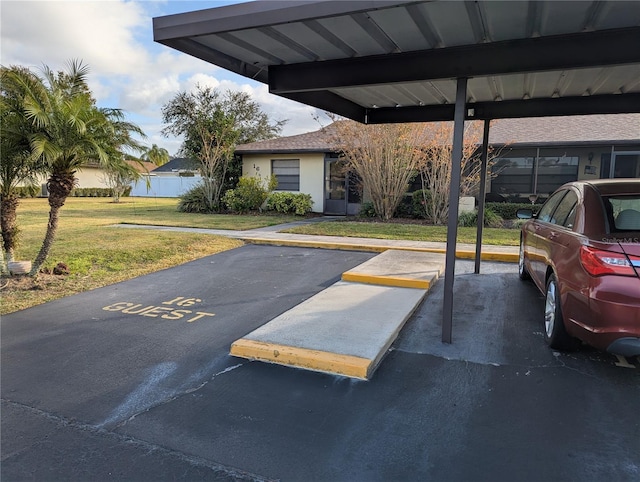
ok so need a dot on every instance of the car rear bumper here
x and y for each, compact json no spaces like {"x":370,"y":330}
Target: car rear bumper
{"x":610,"y":313}
{"x":627,"y":346}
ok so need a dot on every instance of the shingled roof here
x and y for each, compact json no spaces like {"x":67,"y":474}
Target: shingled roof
{"x":316,"y":141}
{"x":178,"y":164}
{"x":584,"y":129}
{"x":143,"y":167}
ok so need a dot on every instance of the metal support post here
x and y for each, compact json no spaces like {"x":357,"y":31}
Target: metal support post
{"x":483,"y":193}
{"x":454,"y":200}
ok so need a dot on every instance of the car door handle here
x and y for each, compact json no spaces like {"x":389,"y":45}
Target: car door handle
{"x":553,"y":235}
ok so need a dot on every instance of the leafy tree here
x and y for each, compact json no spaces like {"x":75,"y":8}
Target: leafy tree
{"x":69,"y":131}
{"x":157,"y":155}
{"x":17,"y":166}
{"x":211,"y":124}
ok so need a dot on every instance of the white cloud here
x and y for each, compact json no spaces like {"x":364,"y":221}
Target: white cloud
{"x":101,"y":33}
{"x":127,"y":69}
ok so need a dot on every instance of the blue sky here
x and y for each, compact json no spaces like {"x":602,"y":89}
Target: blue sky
{"x":127,"y":69}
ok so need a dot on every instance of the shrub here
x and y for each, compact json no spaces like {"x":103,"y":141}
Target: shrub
{"x":289,"y":203}
{"x":367,"y":210}
{"x":420,"y":204}
{"x":248,"y":195}
{"x":27,"y":191}
{"x":517,"y":223}
{"x":470,"y":219}
{"x":405,"y":207}
{"x":93,"y":192}
{"x":194,"y":201}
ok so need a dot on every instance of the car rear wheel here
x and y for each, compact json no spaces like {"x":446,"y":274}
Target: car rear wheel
{"x":555,"y":333}
{"x":523,"y":273}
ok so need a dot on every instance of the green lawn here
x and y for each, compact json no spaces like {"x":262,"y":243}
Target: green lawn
{"x":413,"y":232}
{"x":98,"y":255}
{"x":156,"y":211}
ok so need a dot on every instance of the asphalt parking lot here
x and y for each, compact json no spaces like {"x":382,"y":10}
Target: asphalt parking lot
{"x":134,"y":382}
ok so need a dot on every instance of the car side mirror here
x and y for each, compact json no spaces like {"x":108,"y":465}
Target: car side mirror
{"x":525,"y":213}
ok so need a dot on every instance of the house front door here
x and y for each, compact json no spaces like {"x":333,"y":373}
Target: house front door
{"x":335,"y":187}
{"x":342,"y":189}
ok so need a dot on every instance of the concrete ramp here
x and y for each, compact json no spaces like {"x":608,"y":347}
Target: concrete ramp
{"x":347,"y":328}
{"x":405,"y":269}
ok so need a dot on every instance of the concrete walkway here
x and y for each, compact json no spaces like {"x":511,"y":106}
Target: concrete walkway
{"x":273,"y":235}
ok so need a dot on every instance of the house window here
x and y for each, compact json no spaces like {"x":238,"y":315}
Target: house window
{"x":554,"y":171}
{"x":513,"y":175}
{"x":516,"y":177}
{"x":287,"y":172}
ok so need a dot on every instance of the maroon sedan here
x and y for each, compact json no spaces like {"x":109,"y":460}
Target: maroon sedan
{"x":582,"y":250}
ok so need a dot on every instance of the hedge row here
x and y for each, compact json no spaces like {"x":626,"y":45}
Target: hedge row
{"x":28,"y":191}
{"x":508,"y":210}
{"x":36,"y":191}
{"x":97,"y":192}
{"x":413,"y":206}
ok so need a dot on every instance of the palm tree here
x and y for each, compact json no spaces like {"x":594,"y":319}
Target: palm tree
{"x":69,"y":131}
{"x":17,"y":166}
{"x":157,"y":155}
{"x":119,"y":138}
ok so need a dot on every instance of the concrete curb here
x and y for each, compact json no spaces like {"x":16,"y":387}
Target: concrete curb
{"x":315,"y":360}
{"x":386,"y":281}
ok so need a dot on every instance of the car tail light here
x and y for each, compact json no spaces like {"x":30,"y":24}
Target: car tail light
{"x":599,"y":262}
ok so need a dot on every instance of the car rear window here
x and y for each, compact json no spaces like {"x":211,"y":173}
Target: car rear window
{"x":624,"y":212}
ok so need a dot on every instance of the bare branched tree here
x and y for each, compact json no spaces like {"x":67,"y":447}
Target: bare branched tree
{"x":385,"y":157}
{"x":435,"y":166}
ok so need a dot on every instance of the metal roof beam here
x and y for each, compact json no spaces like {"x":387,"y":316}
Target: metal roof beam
{"x":564,"y":106}
{"x":330,"y":102}
{"x":202,"y":52}
{"x":329,"y":36}
{"x":562,"y":52}
{"x":288,"y":42}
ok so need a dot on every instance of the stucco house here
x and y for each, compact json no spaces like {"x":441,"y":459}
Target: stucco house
{"x":537,"y":155}
{"x":91,"y":175}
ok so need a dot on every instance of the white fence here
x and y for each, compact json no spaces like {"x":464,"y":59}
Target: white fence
{"x":164,"y":186}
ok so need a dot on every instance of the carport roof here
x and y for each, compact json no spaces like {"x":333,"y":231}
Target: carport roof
{"x":398,"y":60}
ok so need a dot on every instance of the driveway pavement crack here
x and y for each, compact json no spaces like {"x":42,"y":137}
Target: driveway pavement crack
{"x":147,"y":447}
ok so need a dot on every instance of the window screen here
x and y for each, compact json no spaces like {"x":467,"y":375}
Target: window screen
{"x":287,"y":172}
